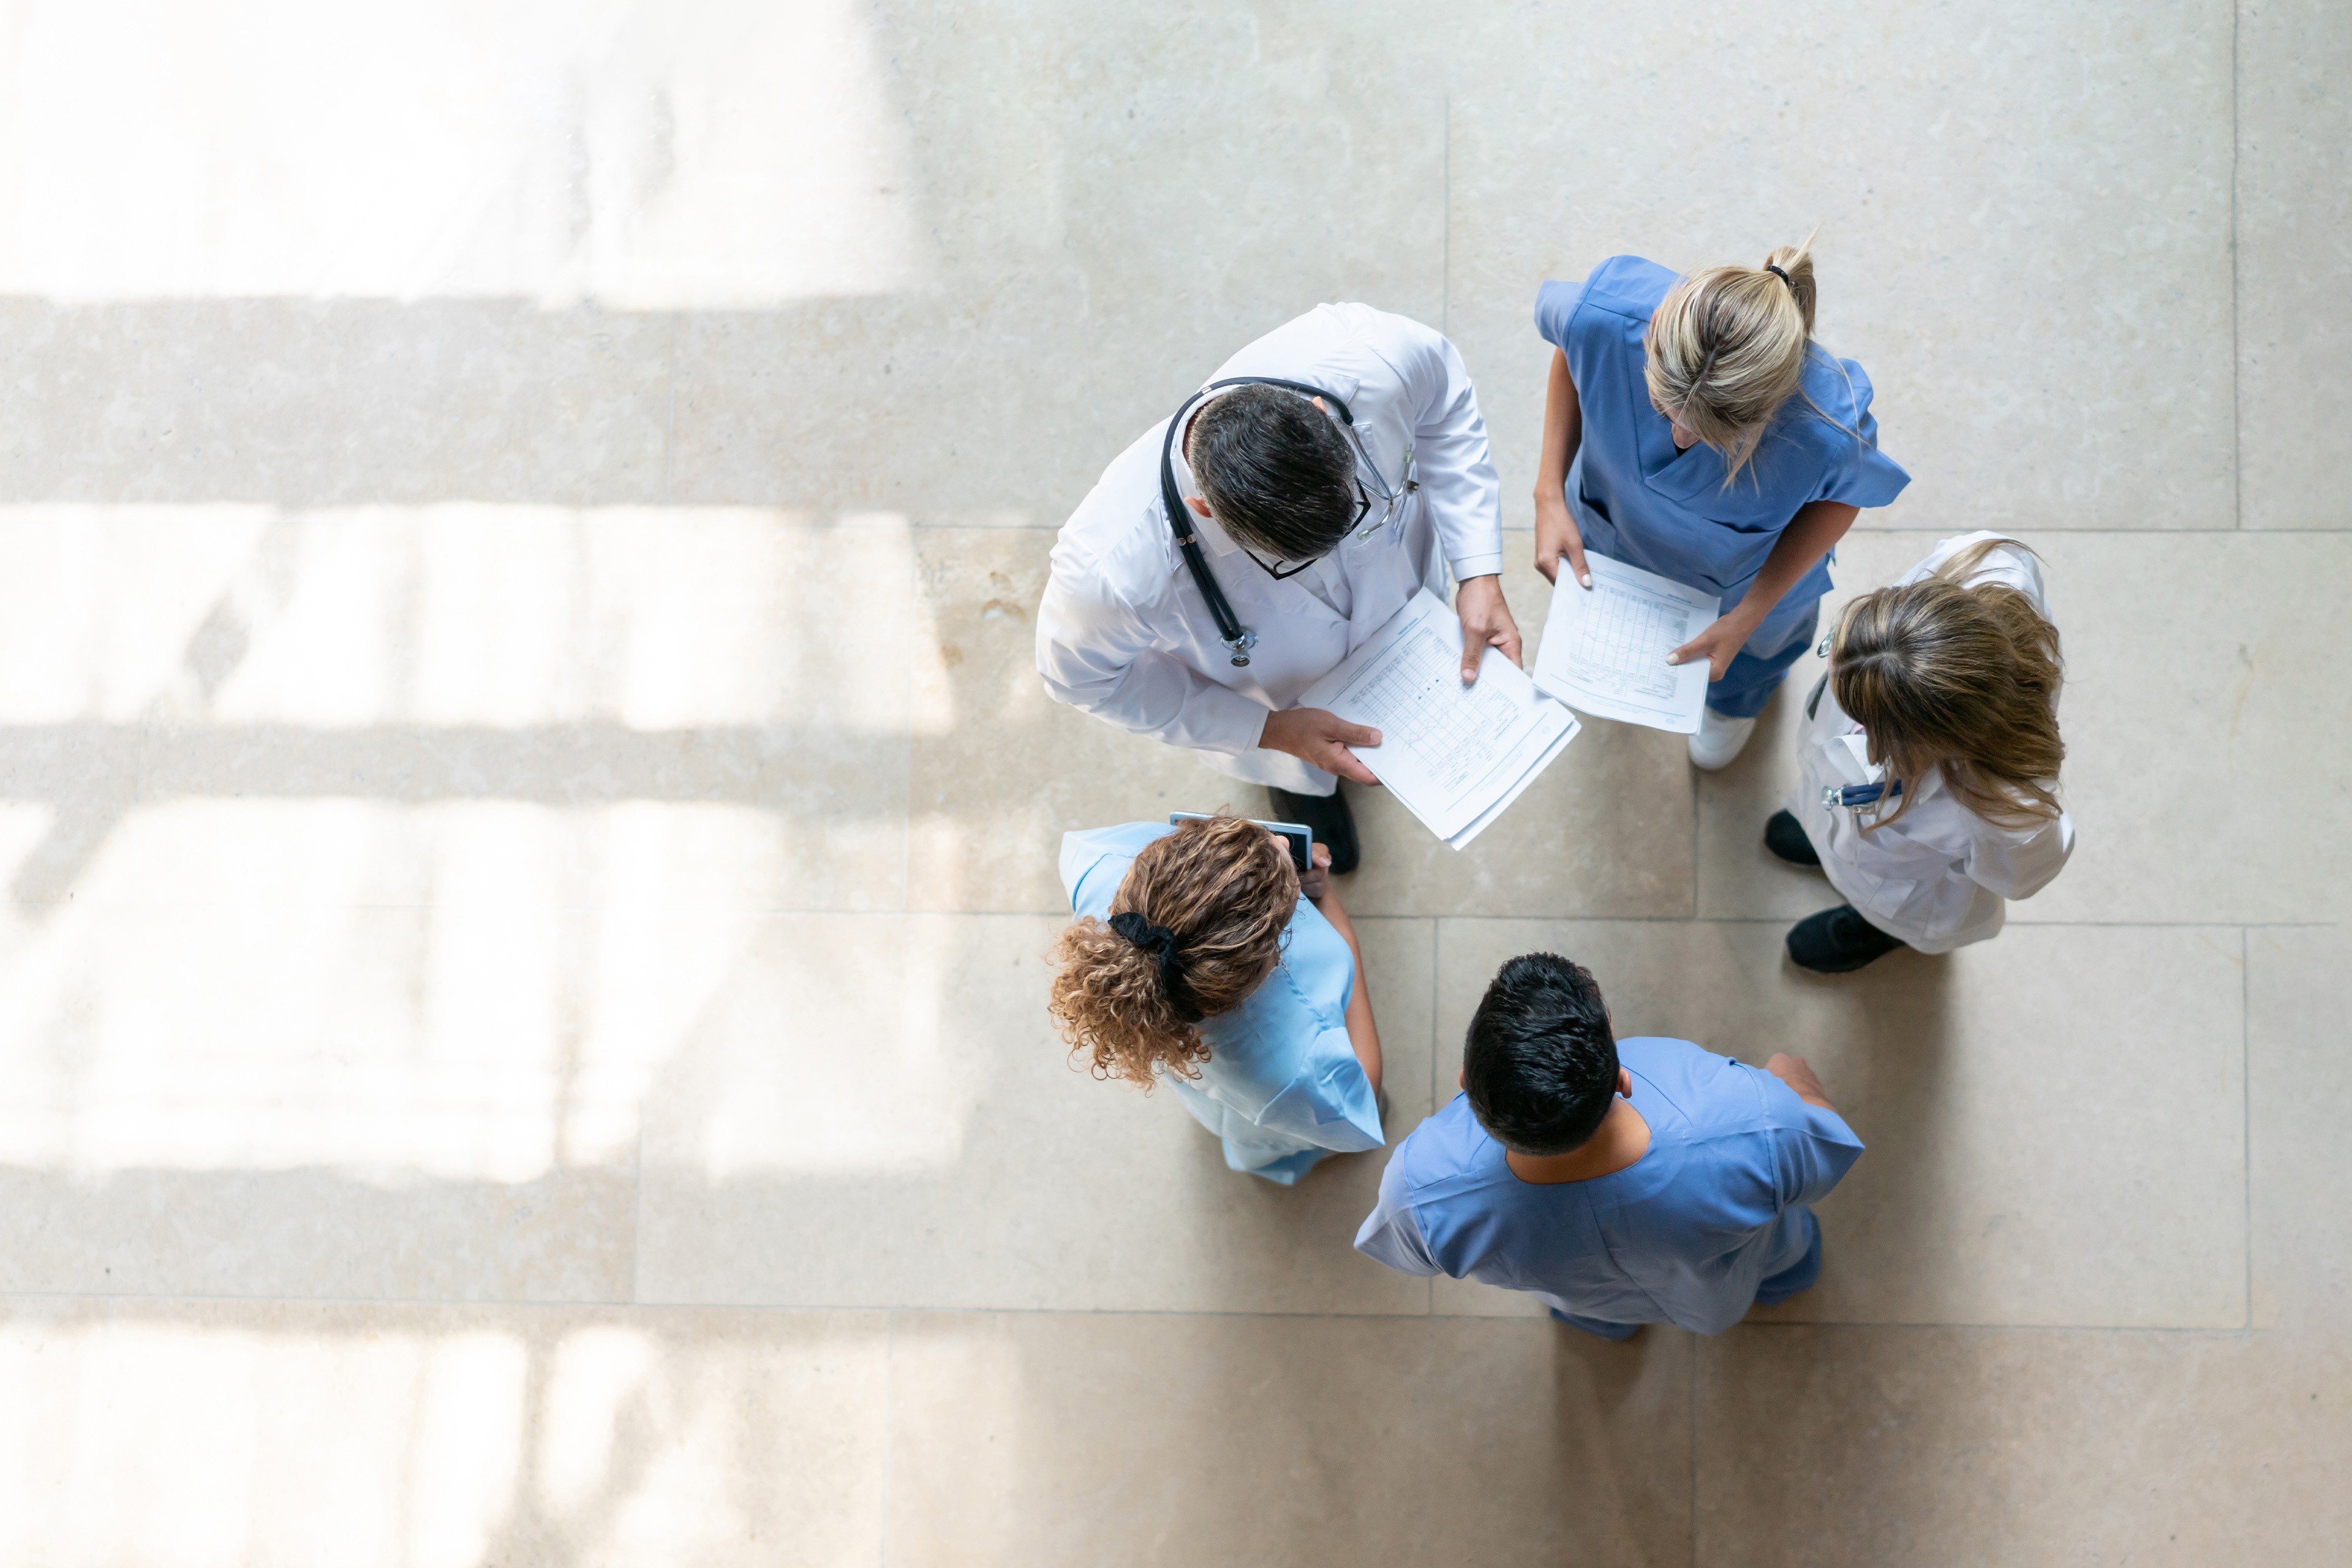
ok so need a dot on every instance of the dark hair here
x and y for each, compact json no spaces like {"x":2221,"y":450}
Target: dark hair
{"x":1540,"y":1062}
{"x":1275,"y":470}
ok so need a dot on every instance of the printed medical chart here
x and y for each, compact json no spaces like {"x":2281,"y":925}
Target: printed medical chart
{"x":1604,"y":647}
{"x":1455,"y":756}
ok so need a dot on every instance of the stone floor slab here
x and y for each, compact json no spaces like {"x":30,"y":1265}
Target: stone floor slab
{"x":1151,"y":1440}
{"x":526,"y":705}
{"x":2298,"y":1080}
{"x":2293,"y":125}
{"x":1967,"y":1446}
{"x":183,"y":1435}
{"x":1000,"y":770}
{"x":1106,"y":226}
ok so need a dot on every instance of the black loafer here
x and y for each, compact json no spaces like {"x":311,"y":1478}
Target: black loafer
{"x":1837,"y":942}
{"x":1328,"y":815}
{"x":1785,"y":838}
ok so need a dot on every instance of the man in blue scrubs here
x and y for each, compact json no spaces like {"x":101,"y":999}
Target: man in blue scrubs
{"x":1621,"y":1181}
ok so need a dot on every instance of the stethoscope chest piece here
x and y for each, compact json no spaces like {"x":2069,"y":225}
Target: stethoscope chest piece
{"x":1860,"y":798}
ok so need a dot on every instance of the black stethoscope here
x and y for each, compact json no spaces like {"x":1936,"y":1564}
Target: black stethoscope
{"x":1238,"y":638}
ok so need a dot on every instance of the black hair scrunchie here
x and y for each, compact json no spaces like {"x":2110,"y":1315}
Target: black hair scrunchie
{"x":1160,"y":943}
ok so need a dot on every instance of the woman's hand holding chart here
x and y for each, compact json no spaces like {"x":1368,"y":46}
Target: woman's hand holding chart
{"x":1604,"y":647}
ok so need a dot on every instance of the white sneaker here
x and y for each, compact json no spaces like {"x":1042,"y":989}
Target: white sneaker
{"x":1718,"y":739}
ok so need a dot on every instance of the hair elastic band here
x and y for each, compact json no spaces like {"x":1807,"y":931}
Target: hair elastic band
{"x":1782,"y":276}
{"x":1160,"y":943}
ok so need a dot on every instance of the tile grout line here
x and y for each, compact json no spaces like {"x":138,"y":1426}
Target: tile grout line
{"x":1436,"y":935}
{"x":2246,"y":1103}
{"x":2237,"y":349}
{"x":889,"y":1427}
{"x":1698,"y":1349}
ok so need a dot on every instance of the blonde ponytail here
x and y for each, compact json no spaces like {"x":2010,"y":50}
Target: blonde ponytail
{"x":1727,"y":348}
{"x":1197,"y":924}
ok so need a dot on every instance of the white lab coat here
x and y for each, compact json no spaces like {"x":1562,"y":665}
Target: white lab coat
{"x":1123,"y":632}
{"x":1937,"y":875}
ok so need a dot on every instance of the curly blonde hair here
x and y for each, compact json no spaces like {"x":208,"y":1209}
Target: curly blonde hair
{"x":1224,"y":888}
{"x":1944,"y":675}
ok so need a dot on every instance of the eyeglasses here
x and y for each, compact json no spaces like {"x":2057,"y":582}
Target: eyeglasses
{"x":1392,"y":500}
{"x":1283,"y":568}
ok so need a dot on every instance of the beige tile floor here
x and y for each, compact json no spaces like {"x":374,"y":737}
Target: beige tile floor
{"x":527,"y":821}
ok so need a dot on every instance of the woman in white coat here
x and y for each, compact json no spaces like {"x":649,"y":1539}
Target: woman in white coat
{"x":1929,"y":759}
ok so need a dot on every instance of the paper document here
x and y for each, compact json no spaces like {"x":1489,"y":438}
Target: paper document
{"x":1604,"y":647}
{"x":1455,"y":756}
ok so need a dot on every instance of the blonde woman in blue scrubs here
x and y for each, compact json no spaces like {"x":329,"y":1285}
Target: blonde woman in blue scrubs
{"x":1693,"y":429}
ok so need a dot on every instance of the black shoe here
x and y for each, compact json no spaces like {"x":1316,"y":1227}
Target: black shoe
{"x":1788,"y":840}
{"x":1837,"y":942}
{"x":1328,"y":815}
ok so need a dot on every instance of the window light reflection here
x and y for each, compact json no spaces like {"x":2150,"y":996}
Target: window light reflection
{"x":673,"y":155}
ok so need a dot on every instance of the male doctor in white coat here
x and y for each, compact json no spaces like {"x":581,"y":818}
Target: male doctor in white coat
{"x":1316,"y":517}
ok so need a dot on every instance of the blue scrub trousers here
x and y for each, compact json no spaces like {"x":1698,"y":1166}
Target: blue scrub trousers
{"x":1758,"y":669}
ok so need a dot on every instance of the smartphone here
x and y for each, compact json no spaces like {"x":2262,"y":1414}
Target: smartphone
{"x":1299,"y":836}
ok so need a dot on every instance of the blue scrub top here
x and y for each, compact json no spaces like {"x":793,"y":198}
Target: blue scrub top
{"x":1684,"y":1235}
{"x":1282,"y":1087}
{"x":1638,"y":498}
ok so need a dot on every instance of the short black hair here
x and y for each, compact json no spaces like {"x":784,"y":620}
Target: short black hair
{"x":1540,"y":1062}
{"x":1275,"y":470}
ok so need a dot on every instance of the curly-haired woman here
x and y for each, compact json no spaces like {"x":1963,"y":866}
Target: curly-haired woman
{"x":1202,"y":959}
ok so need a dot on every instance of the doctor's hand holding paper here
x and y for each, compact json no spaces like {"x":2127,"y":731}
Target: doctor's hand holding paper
{"x":1237,"y":552}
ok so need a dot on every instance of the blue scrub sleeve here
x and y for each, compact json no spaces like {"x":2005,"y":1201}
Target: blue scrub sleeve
{"x":1812,"y":1148}
{"x":1393,"y":1236}
{"x":1858,"y":473}
{"x":1555,"y":304}
{"x":1331,"y":1104}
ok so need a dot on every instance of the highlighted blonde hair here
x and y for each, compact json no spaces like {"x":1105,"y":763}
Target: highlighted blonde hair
{"x":1727,"y":347}
{"x":1226,"y":887}
{"x":1965,"y":679}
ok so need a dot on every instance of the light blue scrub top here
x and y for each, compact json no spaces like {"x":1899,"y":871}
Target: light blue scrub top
{"x":1684,"y":1235}
{"x":1282,"y":1087}
{"x":1638,"y":498}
